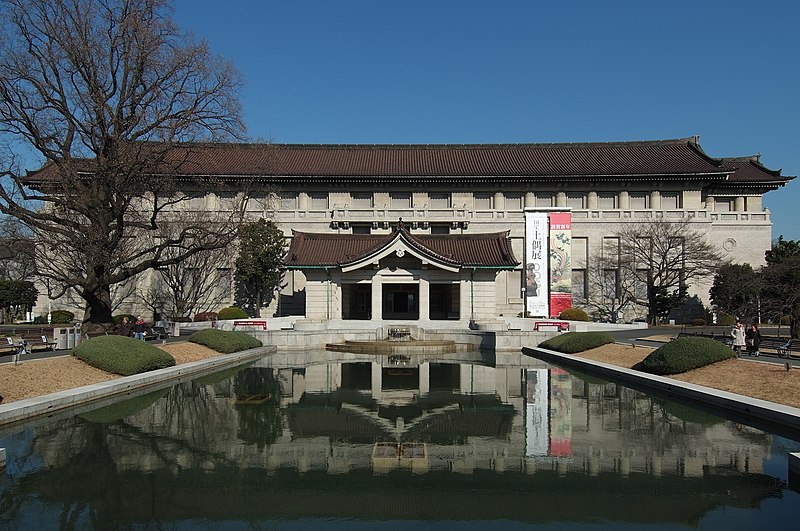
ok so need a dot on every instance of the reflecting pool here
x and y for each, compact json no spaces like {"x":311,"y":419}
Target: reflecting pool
{"x":324,"y":440}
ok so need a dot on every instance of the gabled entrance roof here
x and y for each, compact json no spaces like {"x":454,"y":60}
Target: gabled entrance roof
{"x":447,"y":251}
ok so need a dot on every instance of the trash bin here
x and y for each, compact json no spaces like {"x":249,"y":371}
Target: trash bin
{"x":60,"y":336}
{"x":66,"y":338}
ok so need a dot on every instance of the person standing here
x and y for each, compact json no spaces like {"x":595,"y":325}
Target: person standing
{"x":753,"y":339}
{"x":139,"y":328}
{"x":125,"y":327}
{"x":737,"y":335}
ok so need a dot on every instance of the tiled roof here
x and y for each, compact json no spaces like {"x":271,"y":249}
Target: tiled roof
{"x":668,"y":157}
{"x":680,"y":158}
{"x":462,"y":250}
{"x":750,"y":170}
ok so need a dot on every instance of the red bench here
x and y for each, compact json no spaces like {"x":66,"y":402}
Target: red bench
{"x":262,"y":324}
{"x":562,"y":326}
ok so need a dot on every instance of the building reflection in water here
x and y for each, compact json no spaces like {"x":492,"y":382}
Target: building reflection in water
{"x":468,"y":415}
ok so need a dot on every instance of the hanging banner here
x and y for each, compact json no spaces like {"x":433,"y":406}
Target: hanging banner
{"x":536,"y":263}
{"x":560,"y":262}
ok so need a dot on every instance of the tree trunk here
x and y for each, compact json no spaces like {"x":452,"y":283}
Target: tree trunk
{"x":98,"y":306}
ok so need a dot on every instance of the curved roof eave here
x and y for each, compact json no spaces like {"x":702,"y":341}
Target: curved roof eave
{"x":419,"y":252}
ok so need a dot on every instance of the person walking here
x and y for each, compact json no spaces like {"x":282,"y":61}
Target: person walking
{"x":753,"y":339}
{"x":737,"y":335}
{"x":125,"y":327}
{"x":139,"y":328}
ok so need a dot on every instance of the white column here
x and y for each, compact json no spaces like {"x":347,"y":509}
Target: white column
{"x":739,"y":203}
{"x":591,"y":200}
{"x":624,"y":200}
{"x":424,"y":299}
{"x":655,"y":200}
{"x":377,"y":297}
{"x":530,"y":200}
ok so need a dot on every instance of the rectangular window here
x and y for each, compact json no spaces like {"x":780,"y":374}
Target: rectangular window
{"x":440,"y":228}
{"x":319,"y":200}
{"x":670,"y":201}
{"x":440,"y":200}
{"x":607,"y":201}
{"x":579,"y":284}
{"x":575,"y":200}
{"x":514,"y":201}
{"x":400,"y":199}
{"x":723,"y":204}
{"x":611,"y":250}
{"x":544,"y":200}
{"x":640,"y":201}
{"x":580,"y":252}
{"x":224,"y":284}
{"x":361,"y":228}
{"x":361,"y":199}
{"x":482,"y":201}
{"x":610,"y":284}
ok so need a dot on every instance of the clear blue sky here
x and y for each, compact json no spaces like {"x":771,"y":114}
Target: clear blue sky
{"x":461,"y":71}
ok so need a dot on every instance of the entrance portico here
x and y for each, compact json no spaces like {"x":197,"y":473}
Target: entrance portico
{"x":400,"y":276}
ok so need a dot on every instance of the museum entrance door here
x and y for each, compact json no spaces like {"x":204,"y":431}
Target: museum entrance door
{"x":400,"y":301}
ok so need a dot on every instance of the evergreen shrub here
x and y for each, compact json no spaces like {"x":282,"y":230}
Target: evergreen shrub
{"x":572,"y":342}
{"x":122,"y":355}
{"x":573,"y":314}
{"x":232,"y":312}
{"x":61,"y":316}
{"x":684,"y":354}
{"x":224,"y":341}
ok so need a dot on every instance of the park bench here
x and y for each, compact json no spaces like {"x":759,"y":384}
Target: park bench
{"x":16,"y":347}
{"x":261,"y":324}
{"x":560,"y":326}
{"x":785,"y":350}
{"x":41,"y":341}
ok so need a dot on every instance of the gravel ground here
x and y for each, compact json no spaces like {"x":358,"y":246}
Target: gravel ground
{"x":743,"y":376}
{"x":41,"y":377}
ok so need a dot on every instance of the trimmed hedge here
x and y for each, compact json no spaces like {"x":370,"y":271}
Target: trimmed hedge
{"x":572,"y":342}
{"x":684,"y":354}
{"x":205,"y":316}
{"x":122,"y":355}
{"x":61,"y":316}
{"x":224,"y":341}
{"x":573,"y":314}
{"x":231,"y":312}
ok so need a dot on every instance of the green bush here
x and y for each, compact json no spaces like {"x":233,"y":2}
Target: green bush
{"x":573,"y":342}
{"x":698,"y":322}
{"x":61,"y":316}
{"x":725,"y":319}
{"x":232,"y":312}
{"x":574,"y":314}
{"x":122,"y":355}
{"x":224,"y":341}
{"x":684,"y":354}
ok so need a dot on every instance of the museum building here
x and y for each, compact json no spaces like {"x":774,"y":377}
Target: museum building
{"x":447,"y":232}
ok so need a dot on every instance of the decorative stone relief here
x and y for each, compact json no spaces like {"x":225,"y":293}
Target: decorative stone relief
{"x":729,"y":244}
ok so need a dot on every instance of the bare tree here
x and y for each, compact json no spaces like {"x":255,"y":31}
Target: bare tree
{"x":199,"y":283}
{"x":610,"y":289}
{"x":100,"y":90}
{"x":664,"y":257}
